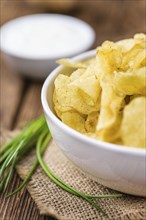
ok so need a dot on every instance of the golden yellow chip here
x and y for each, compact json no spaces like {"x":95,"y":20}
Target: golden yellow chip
{"x":112,"y":133}
{"x":108,"y":58}
{"x":131,"y":83}
{"x":70,"y":97}
{"x":56,"y":105}
{"x":111,"y":103}
{"x":91,"y":122}
{"x":133,"y":126}
{"x":76,"y":74}
{"x":62,"y":103}
{"x":74,"y":120}
{"x":128,"y":44}
{"x":89,"y":61}
{"x":92,"y":70}
{"x":70,"y":63}
{"x":91,"y":89}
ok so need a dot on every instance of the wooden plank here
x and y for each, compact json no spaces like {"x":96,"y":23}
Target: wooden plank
{"x":113,"y":20}
{"x":10,"y":95}
{"x":17,"y":207}
{"x":13,"y":9}
{"x":21,"y":206}
{"x":31,"y":107}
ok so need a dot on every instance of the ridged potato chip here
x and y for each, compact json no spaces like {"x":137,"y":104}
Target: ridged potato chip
{"x":133,"y":126}
{"x":70,"y":63}
{"x":131,"y":83}
{"x":91,"y":122}
{"x":111,"y":103}
{"x":91,"y":89}
{"x":76,"y":74}
{"x":74,"y":120}
{"x":69,"y":97}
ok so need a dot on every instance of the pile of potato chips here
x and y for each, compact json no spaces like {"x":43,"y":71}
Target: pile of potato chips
{"x":105,"y":97}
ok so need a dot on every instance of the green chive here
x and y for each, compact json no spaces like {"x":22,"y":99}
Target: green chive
{"x":36,"y":135}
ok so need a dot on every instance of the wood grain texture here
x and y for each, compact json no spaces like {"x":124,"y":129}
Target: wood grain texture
{"x":31,"y":106}
{"x":11,"y":89}
{"x":13,"y":9}
{"x":12,"y":208}
{"x":113,"y":20}
{"x":21,"y":206}
{"x":20,"y":98}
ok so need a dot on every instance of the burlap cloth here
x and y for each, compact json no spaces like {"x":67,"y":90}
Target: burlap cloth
{"x":52,"y":200}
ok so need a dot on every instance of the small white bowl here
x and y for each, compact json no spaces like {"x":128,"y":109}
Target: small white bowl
{"x":33,"y":43}
{"x":117,"y":167}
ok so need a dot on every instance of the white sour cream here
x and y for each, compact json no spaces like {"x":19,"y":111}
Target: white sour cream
{"x":46,"y":36}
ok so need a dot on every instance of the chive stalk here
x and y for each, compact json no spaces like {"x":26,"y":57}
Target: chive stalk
{"x":36,"y":135}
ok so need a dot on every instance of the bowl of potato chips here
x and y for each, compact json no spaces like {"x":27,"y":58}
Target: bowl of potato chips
{"x":95,"y":107}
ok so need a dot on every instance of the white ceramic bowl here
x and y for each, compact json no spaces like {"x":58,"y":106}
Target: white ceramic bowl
{"x":33,"y":43}
{"x":117,"y":167}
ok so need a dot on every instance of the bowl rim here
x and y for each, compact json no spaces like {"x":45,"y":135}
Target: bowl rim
{"x":87,"y":46}
{"x":75,"y":134}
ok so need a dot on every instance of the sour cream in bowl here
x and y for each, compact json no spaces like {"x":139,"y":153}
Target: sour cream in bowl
{"x":33,"y":43}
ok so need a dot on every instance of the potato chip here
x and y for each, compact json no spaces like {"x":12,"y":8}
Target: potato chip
{"x":109,"y":58}
{"x":111,"y":133}
{"x":70,"y":97}
{"x":70,"y":63}
{"x":140,"y":39}
{"x":61,"y":93}
{"x":132,"y":60}
{"x":139,"y":60}
{"x":128,"y":44}
{"x":131,"y":83}
{"x":91,"y":122}
{"x":91,"y":89}
{"x":76,"y":74}
{"x":113,"y":57}
{"x":133,"y":126}
{"x":89,"y":61}
{"x":74,"y":120}
{"x":111,"y":103}
{"x":92,"y":70}
{"x":56,"y":105}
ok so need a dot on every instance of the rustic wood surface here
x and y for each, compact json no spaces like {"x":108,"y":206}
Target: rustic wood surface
{"x":20,"y":100}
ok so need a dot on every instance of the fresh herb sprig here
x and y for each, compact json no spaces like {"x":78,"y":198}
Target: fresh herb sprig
{"x":12,"y":152}
{"x":36,"y":135}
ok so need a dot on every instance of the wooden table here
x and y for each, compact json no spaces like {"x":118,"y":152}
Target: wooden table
{"x":20,"y":97}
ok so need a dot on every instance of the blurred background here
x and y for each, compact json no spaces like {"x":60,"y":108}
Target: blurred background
{"x":111,"y":19}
